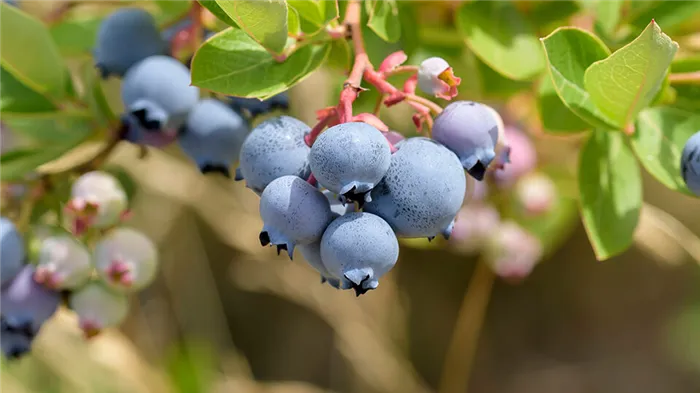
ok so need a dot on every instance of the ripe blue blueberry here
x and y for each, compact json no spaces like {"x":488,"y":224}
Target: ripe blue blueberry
{"x":126,"y":37}
{"x":471,"y":131}
{"x":98,"y":307}
{"x":690,"y":163}
{"x":350,"y":159}
{"x":359,"y":248}
{"x":157,"y":94}
{"x":14,"y":344}
{"x":294,"y":212}
{"x":337,"y":206}
{"x":213,"y":135}
{"x":312,"y":254}
{"x":255,"y":107}
{"x":26,"y":304}
{"x":422,"y":191}
{"x":12,"y":252}
{"x":273,"y":149}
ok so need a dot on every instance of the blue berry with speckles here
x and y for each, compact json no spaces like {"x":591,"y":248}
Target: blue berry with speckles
{"x":213,"y":135}
{"x":471,"y":131}
{"x":312,"y":254}
{"x":157,"y":95}
{"x":11,"y":251}
{"x":294,"y":212}
{"x":359,"y":248}
{"x":422,"y":191}
{"x":350,"y":159}
{"x":273,"y":149}
{"x":690,"y":163}
{"x":126,"y":37}
{"x":26,"y":304}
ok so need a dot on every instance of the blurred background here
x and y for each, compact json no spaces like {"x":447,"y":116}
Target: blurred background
{"x":226,"y":315}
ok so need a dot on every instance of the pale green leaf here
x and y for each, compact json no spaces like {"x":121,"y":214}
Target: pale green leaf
{"x":232,"y":63}
{"x":555,"y":116}
{"x":215,"y":9}
{"x":627,"y":81}
{"x":610,"y":188}
{"x":659,"y":139}
{"x":569,"y":52}
{"x":293,"y":22}
{"x":502,"y":37}
{"x":75,"y":37}
{"x":16,"y":97}
{"x":264,"y":20}
{"x":384,"y":19}
{"x":317,"y":12}
{"x":608,"y":14}
{"x":28,"y":52}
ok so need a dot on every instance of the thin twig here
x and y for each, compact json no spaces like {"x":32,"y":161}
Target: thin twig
{"x":685,"y":78}
{"x":435,"y":108}
{"x":465,"y":336}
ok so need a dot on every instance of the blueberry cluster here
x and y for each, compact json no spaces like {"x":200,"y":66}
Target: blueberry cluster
{"x":160,"y":104}
{"x":346,"y":200}
{"x":690,"y":163}
{"x":91,"y":265}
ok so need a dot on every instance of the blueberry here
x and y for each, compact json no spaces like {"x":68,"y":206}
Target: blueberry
{"x":126,"y":260}
{"x":213,"y":135}
{"x":312,"y":254}
{"x":359,"y":248}
{"x":126,"y":37}
{"x":64,"y":263}
{"x":26,"y":304}
{"x":336,"y":205}
{"x":15,"y":344}
{"x":254,"y":107}
{"x":98,"y":308}
{"x":12,"y":252}
{"x":422,"y":191}
{"x":157,"y":94}
{"x":350,"y":159}
{"x":97,"y":200}
{"x":471,"y":131}
{"x":294,"y":212}
{"x":273,"y":149}
{"x":690,"y":163}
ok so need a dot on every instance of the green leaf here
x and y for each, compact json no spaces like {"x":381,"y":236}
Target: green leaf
{"x":215,"y":9}
{"x":340,"y":55}
{"x":317,"y":12}
{"x":95,"y":97}
{"x":49,"y":136}
{"x":293,"y":22}
{"x":170,"y":9}
{"x":51,"y":127}
{"x":555,"y":116}
{"x":627,"y":81}
{"x":16,"y":97}
{"x":548,"y":12}
{"x":75,"y":37}
{"x":668,"y":14}
{"x":610,"y":188}
{"x":658,"y":142}
{"x":570,"y":51}
{"x":384,"y":19}
{"x":232,"y":63}
{"x":502,"y":37}
{"x":686,"y":64}
{"x":608,"y":15}
{"x":263,"y":20}
{"x":28,"y":52}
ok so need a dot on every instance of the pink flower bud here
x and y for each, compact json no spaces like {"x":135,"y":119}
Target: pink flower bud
{"x":522,"y":158}
{"x":536,"y":193}
{"x":512,"y":252}
{"x":474,"y":224}
{"x":435,"y":77}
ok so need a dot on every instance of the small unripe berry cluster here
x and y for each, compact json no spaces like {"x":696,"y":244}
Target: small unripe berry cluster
{"x":92,"y":266}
